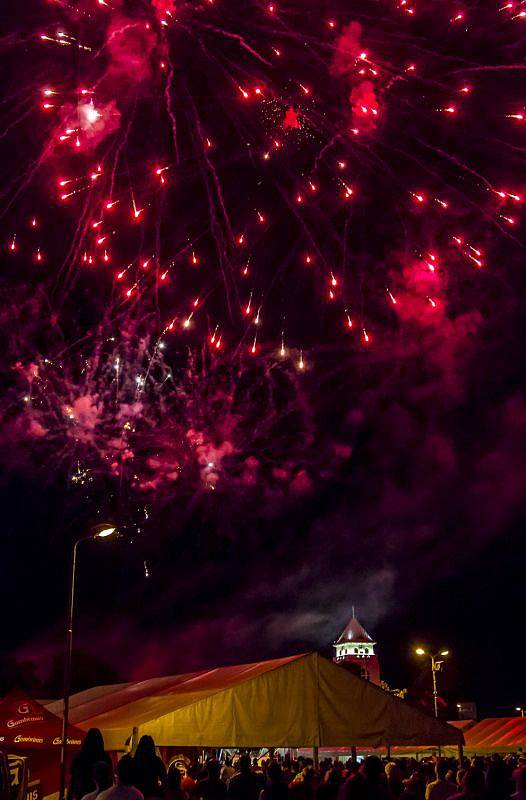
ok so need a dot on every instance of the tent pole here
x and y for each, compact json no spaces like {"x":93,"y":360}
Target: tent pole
{"x":354,"y":755}
{"x":134,"y":740}
{"x":388,"y":752}
{"x":316,"y":756}
{"x":460,"y":754}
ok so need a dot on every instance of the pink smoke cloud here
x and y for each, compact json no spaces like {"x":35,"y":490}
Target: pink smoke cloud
{"x":346,"y":63}
{"x":129,"y":46}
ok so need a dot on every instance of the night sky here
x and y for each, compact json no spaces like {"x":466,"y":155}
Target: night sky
{"x":364,"y":443}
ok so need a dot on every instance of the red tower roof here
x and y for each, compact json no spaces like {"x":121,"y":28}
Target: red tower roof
{"x":354,"y":632}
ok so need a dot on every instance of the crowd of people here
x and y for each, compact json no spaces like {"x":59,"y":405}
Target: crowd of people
{"x":144,"y":776}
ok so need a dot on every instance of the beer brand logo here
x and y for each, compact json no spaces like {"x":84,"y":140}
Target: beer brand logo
{"x":58,"y":740}
{"x":28,"y":740}
{"x":13,"y":723}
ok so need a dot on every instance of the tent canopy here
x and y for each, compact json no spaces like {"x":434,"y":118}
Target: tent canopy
{"x":302,"y":700}
{"x":497,"y":735}
{"x":27,"y":725}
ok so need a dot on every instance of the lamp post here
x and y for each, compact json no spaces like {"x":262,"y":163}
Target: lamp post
{"x":100,"y":532}
{"x":436,"y":666}
{"x":521,"y":709}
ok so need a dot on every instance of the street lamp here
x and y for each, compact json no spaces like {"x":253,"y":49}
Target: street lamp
{"x":519,"y":708}
{"x":103,"y":531}
{"x":436,"y":666}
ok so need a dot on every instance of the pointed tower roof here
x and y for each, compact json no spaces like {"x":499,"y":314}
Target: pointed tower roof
{"x":354,"y":632}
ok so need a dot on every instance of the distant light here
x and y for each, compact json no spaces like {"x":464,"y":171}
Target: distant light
{"x":420,"y":651}
{"x":444,"y":652}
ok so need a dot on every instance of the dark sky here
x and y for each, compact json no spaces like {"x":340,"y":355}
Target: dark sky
{"x":403,"y":466}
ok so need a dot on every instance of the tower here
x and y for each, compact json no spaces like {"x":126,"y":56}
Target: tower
{"x":355,"y":646}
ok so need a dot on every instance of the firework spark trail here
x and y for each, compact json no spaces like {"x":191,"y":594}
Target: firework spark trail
{"x":170,"y":108}
{"x":238,"y":38}
{"x":120,"y":147}
{"x":222,"y":245}
{"x":17,"y":121}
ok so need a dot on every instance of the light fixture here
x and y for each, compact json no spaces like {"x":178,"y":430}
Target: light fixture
{"x":103,"y":531}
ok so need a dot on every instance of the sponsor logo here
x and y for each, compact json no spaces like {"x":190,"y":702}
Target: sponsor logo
{"x":13,"y":723}
{"x":58,"y":740}
{"x":24,"y":708}
{"x":28,"y":740}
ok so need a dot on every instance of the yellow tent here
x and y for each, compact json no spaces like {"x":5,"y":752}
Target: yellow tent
{"x":302,"y":700}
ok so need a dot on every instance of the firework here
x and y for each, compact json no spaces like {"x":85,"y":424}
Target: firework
{"x":124,"y":411}
{"x":213,"y":195}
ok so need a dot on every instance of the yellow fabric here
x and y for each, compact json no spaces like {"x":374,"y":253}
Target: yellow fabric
{"x":299,"y":701}
{"x":276,"y":709}
{"x":110,"y":705}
